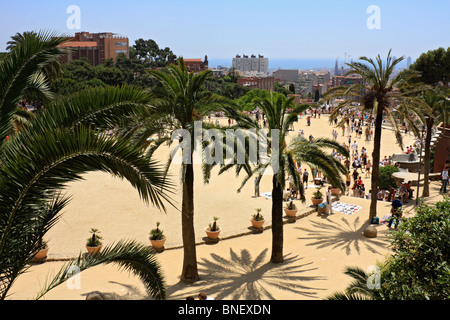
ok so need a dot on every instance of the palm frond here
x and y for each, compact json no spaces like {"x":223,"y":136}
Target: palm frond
{"x":128,"y":255}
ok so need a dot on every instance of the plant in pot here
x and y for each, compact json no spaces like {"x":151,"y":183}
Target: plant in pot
{"x":317,"y":197}
{"x":335,"y":190}
{"x":94,"y":243}
{"x":157,"y":238}
{"x":257,"y":219}
{"x":41,"y":251}
{"x":290,"y":209}
{"x":213,"y":230}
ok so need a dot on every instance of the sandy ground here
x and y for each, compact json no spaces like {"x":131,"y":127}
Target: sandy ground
{"x":316,"y":248}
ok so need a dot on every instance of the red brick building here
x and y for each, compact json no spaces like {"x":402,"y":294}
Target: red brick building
{"x":196,"y":65}
{"x":262,"y":83}
{"x":95,"y":47}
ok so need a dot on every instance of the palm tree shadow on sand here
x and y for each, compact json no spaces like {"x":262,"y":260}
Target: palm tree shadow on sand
{"x":344,"y":235}
{"x":242,"y":277}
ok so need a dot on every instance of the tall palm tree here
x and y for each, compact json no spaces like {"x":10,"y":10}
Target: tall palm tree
{"x":284,"y":156}
{"x":57,"y":147}
{"x":379,"y":93}
{"x":180,"y":94}
{"x":433,"y":102}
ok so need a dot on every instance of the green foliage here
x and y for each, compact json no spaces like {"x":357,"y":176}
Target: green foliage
{"x":258,"y":216}
{"x":151,"y":55}
{"x":61,"y":144}
{"x":281,"y":89}
{"x":291,"y":206}
{"x":80,"y":75}
{"x":318,"y":194}
{"x":419,"y":267}
{"x":95,"y":239}
{"x":214,"y":226}
{"x":248,"y":101}
{"x":225,"y":86}
{"x":434,"y":66}
{"x":157,"y":233}
{"x":385,"y":179}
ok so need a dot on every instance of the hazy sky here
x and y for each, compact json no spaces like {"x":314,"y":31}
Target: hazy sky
{"x":222,"y":29}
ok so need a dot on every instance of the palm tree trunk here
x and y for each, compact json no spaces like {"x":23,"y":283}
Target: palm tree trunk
{"x":189,"y":272}
{"x":376,"y":161}
{"x":277,"y":221}
{"x":426,"y":160}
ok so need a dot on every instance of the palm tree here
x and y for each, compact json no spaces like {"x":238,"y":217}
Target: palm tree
{"x":433,"y":103}
{"x":285,"y":156}
{"x":18,"y":38}
{"x":358,"y":289}
{"x":57,"y":147}
{"x":379,"y":92}
{"x":181,"y":95}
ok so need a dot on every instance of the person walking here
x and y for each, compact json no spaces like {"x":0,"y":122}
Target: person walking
{"x":305,"y":178}
{"x":256,"y":187}
{"x":444,"y":177}
{"x":328,"y":195}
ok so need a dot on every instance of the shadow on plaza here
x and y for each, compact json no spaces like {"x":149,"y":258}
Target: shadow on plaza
{"x":345,"y":235}
{"x":243,"y":277}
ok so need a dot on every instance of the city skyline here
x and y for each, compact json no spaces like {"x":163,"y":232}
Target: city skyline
{"x":285,"y":29}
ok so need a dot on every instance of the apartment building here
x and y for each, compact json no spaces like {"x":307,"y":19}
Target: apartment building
{"x":255,"y":63}
{"x":95,"y":47}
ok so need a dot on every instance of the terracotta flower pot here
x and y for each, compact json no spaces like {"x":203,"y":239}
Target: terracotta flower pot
{"x":213,"y":235}
{"x":290,"y":212}
{"x":316,"y":201}
{"x":158,"y":244}
{"x":93,"y":250}
{"x":335,"y":191}
{"x":41,"y":254}
{"x":257,"y":223}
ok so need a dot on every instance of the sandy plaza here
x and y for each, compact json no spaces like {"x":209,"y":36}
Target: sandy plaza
{"x":317,"y":248}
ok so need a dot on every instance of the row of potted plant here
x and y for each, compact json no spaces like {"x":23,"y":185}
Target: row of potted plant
{"x":157,"y":237}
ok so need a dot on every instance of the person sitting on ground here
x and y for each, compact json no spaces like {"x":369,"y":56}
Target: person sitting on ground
{"x":286,"y":194}
{"x":403,"y":192}
{"x":409,"y":190}
{"x":380,"y":195}
{"x":355,"y":189}
{"x":293,"y":193}
{"x":362,"y":190}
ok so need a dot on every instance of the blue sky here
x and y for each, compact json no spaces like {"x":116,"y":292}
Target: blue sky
{"x":222,"y":29}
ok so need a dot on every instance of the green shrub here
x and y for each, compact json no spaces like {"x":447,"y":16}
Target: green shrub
{"x":385,"y":179}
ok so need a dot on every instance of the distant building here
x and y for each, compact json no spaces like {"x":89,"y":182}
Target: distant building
{"x":346,"y":80}
{"x":95,"y":47}
{"x":306,"y":82}
{"x":257,"y":64}
{"x":336,"y":68}
{"x":324,"y":78}
{"x":408,"y":62}
{"x":196,"y":65}
{"x":262,"y":83}
{"x":286,"y":75}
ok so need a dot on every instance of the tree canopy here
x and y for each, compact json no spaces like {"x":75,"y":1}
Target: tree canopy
{"x":434,"y":66}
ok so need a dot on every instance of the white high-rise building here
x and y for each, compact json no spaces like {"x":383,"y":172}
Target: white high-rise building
{"x":245,"y":64}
